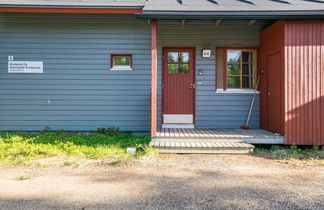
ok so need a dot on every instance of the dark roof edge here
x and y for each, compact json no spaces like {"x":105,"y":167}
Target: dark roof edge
{"x":71,"y":6}
{"x":306,"y":14}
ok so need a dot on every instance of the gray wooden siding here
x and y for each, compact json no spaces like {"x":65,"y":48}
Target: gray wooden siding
{"x":76,"y":50}
{"x":213,"y":110}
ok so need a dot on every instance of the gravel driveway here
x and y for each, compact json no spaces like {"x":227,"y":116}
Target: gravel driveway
{"x":168,"y":182}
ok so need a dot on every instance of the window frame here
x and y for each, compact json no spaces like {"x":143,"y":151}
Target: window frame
{"x":225,"y":64}
{"x":121,"y":67}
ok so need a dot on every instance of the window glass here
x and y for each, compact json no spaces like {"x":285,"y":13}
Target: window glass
{"x":184,"y":57}
{"x":184,"y":68}
{"x":122,"y":60}
{"x":233,"y":56}
{"x":247,"y":68}
{"x":233,"y":82}
{"x":247,"y":57}
{"x":233,"y":69}
{"x":173,"y":57}
{"x":240,"y":68}
{"x":246,"y":82}
{"x":172,"y":68}
{"x":178,"y":62}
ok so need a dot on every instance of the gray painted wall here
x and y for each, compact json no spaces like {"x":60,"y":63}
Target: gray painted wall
{"x":213,"y":110}
{"x":84,"y":93}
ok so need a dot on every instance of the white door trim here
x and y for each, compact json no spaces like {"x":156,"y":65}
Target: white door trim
{"x":178,"y":118}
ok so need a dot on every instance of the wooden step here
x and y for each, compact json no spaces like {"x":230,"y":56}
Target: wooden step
{"x":216,"y":147}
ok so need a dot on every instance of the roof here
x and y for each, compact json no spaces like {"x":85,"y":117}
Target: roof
{"x":233,"y":9}
{"x":194,"y":9}
{"x":75,"y":3}
{"x":233,"y":5}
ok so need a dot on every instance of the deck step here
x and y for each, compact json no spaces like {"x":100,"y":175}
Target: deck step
{"x":202,"y":147}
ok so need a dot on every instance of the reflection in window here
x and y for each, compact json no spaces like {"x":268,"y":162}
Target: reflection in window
{"x":172,"y":68}
{"x":173,"y":57}
{"x":240,"y":68}
{"x":184,"y":68}
{"x":121,"y":62}
{"x":178,"y":62}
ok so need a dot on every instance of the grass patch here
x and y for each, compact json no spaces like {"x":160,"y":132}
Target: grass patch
{"x":21,"y":148}
{"x":291,"y":152}
{"x":71,"y":163}
{"x":23,"y":178}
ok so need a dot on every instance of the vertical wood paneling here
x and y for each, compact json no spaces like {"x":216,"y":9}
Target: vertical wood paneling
{"x":304,"y":82}
{"x":303,"y":71}
{"x":271,"y":43}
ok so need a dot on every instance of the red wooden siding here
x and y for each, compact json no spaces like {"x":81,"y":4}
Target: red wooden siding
{"x":304,"y":81}
{"x":301,"y":45}
{"x":271,"y":43}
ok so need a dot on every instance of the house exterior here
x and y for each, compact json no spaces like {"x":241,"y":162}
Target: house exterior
{"x":142,"y":65}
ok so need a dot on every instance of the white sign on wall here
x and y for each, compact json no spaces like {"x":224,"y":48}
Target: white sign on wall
{"x":206,"y":53}
{"x":25,"y":67}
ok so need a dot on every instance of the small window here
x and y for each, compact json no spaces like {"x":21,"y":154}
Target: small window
{"x":121,"y":62}
{"x":178,"y":62}
{"x":236,"y":68}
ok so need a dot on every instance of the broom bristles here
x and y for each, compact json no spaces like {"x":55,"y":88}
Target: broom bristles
{"x":246,"y":127}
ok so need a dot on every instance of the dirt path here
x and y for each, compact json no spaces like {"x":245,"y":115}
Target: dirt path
{"x":167,"y":182}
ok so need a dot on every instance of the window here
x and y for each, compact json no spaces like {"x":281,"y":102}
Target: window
{"x":178,"y":62}
{"x":121,"y":62}
{"x":236,"y":68}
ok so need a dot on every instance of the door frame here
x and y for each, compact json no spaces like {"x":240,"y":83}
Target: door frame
{"x":194,"y":78}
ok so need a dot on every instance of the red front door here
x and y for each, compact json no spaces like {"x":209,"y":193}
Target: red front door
{"x":178,"y":82}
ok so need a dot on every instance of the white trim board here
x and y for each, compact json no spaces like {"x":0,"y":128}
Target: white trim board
{"x":178,"y":118}
{"x":237,"y":91}
{"x":178,"y":126}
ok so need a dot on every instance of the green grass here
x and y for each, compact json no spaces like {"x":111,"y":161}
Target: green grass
{"x":292,"y":152}
{"x":20,"y":148}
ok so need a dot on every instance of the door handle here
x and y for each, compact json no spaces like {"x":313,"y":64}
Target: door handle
{"x":192,"y":85}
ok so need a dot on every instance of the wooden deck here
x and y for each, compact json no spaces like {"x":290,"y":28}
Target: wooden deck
{"x":239,"y":135}
{"x":203,"y":140}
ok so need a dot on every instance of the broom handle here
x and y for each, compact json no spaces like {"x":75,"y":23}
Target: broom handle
{"x":252,"y":102}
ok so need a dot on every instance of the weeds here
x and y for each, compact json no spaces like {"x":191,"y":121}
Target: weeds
{"x":20,"y":148}
{"x":293,"y":152}
{"x":23,"y":178}
{"x":71,"y":163}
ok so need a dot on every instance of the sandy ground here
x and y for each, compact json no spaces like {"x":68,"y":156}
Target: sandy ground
{"x":167,"y":182}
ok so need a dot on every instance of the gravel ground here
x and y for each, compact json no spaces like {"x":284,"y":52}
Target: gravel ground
{"x":167,"y":182}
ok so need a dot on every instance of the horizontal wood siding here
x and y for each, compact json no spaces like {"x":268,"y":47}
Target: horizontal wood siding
{"x":84,"y":93}
{"x":213,"y":110}
{"x":304,"y":82}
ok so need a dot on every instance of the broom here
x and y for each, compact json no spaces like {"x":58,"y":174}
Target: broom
{"x":246,"y":126}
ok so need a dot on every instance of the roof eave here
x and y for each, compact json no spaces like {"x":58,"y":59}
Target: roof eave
{"x":71,"y":6}
{"x":68,"y":9}
{"x":319,"y":14}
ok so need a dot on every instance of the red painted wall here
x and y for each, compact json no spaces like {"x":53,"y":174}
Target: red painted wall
{"x":271,"y":42}
{"x":304,"y":82}
{"x":301,"y":44}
